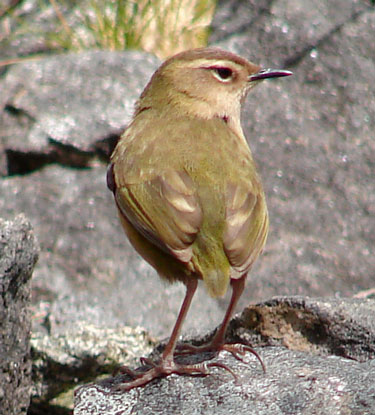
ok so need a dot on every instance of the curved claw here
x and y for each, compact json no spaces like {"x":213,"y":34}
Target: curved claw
{"x":241,"y":349}
{"x":161,"y":370}
{"x":237,"y":350}
{"x":166,"y":367}
{"x":141,"y":380}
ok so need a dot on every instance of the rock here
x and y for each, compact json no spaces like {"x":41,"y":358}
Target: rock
{"x":287,"y":30}
{"x":63,"y":361}
{"x":311,"y":378}
{"x":48,"y":121}
{"x":327,"y":326}
{"x":18,"y":255}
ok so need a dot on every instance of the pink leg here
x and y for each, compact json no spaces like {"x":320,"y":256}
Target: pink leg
{"x":167,"y":365}
{"x":237,"y":290}
{"x":171,"y":345}
{"x":217,"y":344}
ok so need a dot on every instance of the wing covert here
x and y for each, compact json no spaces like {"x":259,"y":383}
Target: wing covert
{"x":246,"y":227}
{"x":165,"y":210}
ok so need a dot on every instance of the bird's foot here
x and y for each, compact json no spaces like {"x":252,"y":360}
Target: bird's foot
{"x":165,"y":368}
{"x":238,"y":350}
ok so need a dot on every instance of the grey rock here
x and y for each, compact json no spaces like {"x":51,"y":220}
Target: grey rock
{"x":310,"y":377}
{"x":18,"y":255}
{"x":286,"y":31}
{"x":86,"y":352}
{"x":328,"y":326}
{"x":295,"y":383}
{"x":312,"y":138}
{"x":68,"y":108}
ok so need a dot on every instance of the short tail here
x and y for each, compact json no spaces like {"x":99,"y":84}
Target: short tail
{"x":216,"y":282}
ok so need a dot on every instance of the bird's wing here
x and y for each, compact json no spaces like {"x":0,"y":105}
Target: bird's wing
{"x":165,"y":210}
{"x":246,"y":227}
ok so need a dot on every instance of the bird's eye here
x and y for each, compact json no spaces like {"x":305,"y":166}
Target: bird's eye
{"x":223,"y":74}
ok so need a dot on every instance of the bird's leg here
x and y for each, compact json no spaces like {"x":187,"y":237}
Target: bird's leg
{"x":167,"y":365}
{"x":217,"y":343}
{"x":238,"y":286}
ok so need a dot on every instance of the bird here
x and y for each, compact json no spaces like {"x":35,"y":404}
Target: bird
{"x":187,"y":190}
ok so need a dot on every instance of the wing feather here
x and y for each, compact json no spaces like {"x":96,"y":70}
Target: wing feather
{"x":246,"y":227}
{"x":165,"y":210}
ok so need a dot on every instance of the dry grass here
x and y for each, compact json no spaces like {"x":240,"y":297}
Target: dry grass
{"x":162,"y":27}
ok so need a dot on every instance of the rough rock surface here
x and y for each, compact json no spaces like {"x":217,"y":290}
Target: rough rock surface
{"x":61,"y":362}
{"x":310,"y":377}
{"x":296,"y":383}
{"x":18,"y":255}
{"x":68,"y":109}
{"x":341,"y":327}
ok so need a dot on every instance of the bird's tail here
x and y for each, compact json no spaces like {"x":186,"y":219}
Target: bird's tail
{"x":216,"y":282}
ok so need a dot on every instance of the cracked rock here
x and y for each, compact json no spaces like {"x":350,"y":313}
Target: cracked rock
{"x":18,"y":255}
{"x":68,"y":108}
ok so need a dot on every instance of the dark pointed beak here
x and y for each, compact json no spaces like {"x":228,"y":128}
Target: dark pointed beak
{"x":269,"y":73}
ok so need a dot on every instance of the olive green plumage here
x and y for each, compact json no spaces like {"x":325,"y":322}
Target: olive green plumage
{"x":187,"y":191}
{"x":213,"y":224}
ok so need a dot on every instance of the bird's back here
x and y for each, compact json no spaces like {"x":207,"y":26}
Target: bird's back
{"x":191,"y":190}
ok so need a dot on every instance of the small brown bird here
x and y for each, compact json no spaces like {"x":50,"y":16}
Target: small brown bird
{"x":186,"y":187}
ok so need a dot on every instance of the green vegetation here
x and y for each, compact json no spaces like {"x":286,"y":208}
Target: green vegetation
{"x":163,"y":27}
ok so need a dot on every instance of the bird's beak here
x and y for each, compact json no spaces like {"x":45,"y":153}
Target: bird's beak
{"x":269,"y":73}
